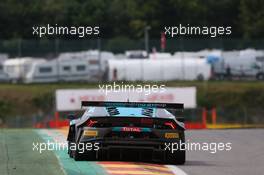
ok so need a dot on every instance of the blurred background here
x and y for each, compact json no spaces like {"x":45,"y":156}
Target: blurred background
{"x":227,"y":71}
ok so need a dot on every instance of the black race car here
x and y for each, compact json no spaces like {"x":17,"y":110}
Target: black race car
{"x":118,"y":130}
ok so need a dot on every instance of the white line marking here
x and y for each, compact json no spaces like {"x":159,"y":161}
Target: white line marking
{"x":176,"y":170}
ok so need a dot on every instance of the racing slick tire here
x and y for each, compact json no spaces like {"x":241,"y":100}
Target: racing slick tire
{"x":90,"y":155}
{"x":176,"y":158}
{"x":76,"y":155}
{"x":70,"y":152}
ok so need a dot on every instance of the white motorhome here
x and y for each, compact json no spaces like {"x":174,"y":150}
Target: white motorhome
{"x":159,"y":55}
{"x":59,"y":70}
{"x":159,"y":70}
{"x":77,"y":66}
{"x":97,"y":59}
{"x":3,"y":76}
{"x":17,"y":68}
{"x":199,"y":54}
{"x":136,"y":54}
{"x":3,"y":57}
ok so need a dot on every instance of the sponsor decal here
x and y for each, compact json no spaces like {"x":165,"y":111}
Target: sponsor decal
{"x":90,"y":133}
{"x":171,"y":135}
{"x":131,"y":129}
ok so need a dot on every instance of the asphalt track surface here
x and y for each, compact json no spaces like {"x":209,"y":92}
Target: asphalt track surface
{"x":245,"y":157}
{"x":17,"y":157}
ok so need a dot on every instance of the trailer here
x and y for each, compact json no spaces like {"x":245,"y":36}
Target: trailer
{"x":59,"y":71}
{"x":17,"y":68}
{"x":3,"y":76}
{"x":158,"y":69}
{"x":83,"y":66}
{"x":200,"y":54}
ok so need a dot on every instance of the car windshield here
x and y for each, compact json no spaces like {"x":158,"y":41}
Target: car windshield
{"x":128,"y":112}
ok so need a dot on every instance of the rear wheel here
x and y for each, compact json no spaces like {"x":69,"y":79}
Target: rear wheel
{"x":176,"y":158}
{"x":71,"y":138}
{"x":70,"y":152}
{"x":83,"y":154}
{"x":76,"y":155}
{"x":90,"y":155}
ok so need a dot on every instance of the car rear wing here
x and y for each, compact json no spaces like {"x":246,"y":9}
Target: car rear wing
{"x":178,"y":106}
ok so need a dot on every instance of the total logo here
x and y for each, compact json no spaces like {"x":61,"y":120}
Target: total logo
{"x":131,"y":129}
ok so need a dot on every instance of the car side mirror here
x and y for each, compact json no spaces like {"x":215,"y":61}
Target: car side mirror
{"x":71,"y":116}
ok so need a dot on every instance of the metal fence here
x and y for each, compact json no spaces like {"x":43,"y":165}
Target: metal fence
{"x":52,"y":47}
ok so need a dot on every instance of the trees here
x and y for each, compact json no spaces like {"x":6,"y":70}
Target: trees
{"x":119,"y":18}
{"x":252,"y":18}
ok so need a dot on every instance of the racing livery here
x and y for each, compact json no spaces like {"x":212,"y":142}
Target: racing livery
{"x":114,"y":130}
